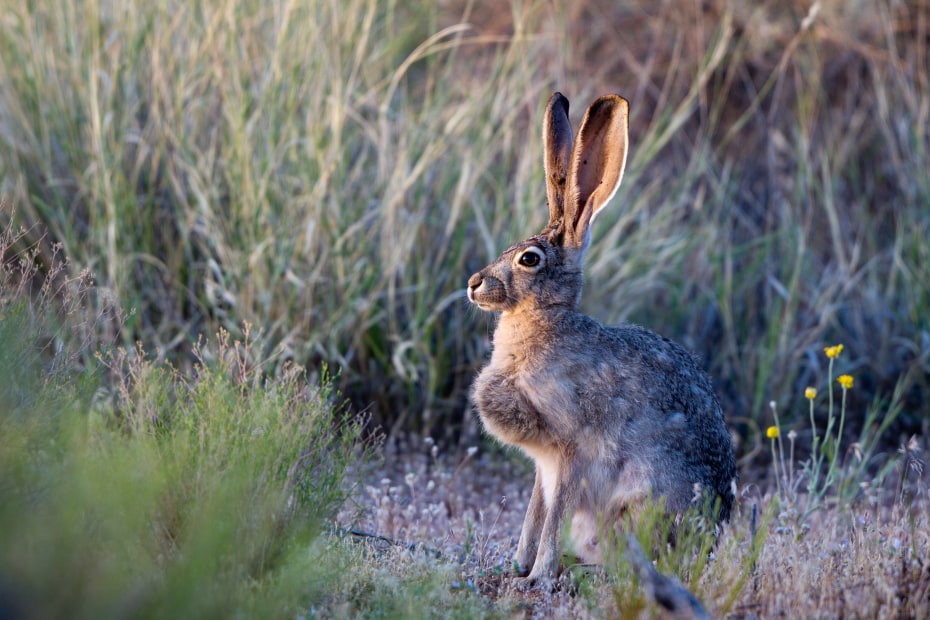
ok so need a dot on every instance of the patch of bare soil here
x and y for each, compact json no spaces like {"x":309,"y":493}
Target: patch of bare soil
{"x":465,"y":509}
{"x":423,"y":509}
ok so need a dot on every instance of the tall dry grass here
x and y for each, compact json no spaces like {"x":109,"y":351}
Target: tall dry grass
{"x":311,"y":168}
{"x":332,"y":173}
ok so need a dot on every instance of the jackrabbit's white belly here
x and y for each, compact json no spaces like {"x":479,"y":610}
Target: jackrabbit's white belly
{"x":547,"y":464}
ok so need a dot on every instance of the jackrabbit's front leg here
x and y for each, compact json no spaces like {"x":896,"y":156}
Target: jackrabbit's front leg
{"x":532,"y":528}
{"x":564,"y":502}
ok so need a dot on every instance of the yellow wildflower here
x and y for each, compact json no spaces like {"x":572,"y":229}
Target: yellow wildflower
{"x":810,"y":393}
{"x":846,"y":381}
{"x":834,"y":351}
{"x":771,"y":432}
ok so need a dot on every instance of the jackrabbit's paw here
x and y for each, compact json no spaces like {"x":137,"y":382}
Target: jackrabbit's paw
{"x":521,"y":569}
{"x":525,"y":584}
{"x":543,"y":583}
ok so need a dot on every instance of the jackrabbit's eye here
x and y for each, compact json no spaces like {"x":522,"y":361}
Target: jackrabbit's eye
{"x":529,"y":258}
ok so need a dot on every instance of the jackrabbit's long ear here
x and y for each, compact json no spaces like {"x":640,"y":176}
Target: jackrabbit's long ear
{"x":557,"y":143}
{"x":596,"y":168}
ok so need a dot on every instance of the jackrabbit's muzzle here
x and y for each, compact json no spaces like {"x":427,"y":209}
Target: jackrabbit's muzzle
{"x":487,"y":292}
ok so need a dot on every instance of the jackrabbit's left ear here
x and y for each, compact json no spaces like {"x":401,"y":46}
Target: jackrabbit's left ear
{"x":557,"y":144}
{"x":596,"y":168}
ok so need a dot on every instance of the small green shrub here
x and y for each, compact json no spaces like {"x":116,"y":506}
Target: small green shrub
{"x":140,"y":492}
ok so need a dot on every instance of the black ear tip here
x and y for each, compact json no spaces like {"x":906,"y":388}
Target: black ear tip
{"x":558,"y":100}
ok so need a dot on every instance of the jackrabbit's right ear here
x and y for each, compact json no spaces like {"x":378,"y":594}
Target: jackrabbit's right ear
{"x":596,"y":168}
{"x":557,"y":144}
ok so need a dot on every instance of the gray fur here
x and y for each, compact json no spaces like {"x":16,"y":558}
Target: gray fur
{"x":611,"y":416}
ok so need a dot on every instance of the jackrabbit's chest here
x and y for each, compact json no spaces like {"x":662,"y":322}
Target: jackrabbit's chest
{"x":519,"y":409}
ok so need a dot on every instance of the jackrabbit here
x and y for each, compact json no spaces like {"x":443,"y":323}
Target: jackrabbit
{"x":611,"y":416}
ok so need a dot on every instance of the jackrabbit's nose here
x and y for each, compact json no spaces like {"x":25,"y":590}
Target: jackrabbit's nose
{"x":475,"y":281}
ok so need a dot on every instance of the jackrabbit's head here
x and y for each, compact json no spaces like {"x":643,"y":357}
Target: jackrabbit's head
{"x":546,"y":269}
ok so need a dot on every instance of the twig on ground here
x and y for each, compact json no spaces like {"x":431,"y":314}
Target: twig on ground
{"x":664,"y":590}
{"x":382,"y":543}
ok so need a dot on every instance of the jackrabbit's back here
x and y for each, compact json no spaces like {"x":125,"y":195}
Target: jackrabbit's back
{"x":666,"y":407}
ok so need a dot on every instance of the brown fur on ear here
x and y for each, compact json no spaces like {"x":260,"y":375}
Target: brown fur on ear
{"x":557,"y":146}
{"x":597,"y":165}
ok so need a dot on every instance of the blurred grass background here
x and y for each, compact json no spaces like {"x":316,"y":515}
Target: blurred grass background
{"x":331,"y":173}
